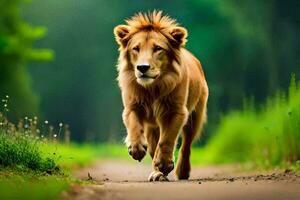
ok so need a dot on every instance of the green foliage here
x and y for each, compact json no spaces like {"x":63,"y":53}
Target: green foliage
{"x":31,"y":188}
{"x":23,"y":152}
{"x":36,"y":185}
{"x":16,"y":50}
{"x":268,"y":137}
{"x":30,"y":145}
{"x":67,"y":156}
{"x":20,"y":146}
{"x":29,"y":161}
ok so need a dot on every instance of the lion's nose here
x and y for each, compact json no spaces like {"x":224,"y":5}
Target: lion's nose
{"x":143,"y":68}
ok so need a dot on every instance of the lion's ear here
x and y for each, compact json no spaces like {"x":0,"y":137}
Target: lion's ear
{"x":179,"y":34}
{"x":120,"y":32}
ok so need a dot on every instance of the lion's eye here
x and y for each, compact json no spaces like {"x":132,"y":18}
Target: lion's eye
{"x":157,"y":48}
{"x":136,"y":48}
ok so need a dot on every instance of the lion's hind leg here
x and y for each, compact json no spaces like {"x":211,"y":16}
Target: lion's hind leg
{"x":190,"y":132}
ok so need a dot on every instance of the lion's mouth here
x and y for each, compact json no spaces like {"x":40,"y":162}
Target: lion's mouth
{"x":145,"y":76}
{"x":145,"y":79}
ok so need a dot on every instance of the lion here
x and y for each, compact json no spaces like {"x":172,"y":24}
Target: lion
{"x":164,"y":92}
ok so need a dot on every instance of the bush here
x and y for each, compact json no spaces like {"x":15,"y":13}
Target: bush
{"x":267,"y":137}
{"x":23,"y":152}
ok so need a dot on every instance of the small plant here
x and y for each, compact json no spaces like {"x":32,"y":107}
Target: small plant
{"x":20,"y":145}
{"x":22,"y":152}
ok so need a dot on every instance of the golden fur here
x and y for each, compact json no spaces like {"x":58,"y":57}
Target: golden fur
{"x":169,"y":97}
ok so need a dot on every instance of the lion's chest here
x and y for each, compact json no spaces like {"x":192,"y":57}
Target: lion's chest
{"x":150,"y":111}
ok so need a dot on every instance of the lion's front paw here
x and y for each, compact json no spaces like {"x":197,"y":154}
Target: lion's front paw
{"x":157,"y":176}
{"x":164,"y":165}
{"x":137,"y":151}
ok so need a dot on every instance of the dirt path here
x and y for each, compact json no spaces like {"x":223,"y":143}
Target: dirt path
{"x":128,"y":180}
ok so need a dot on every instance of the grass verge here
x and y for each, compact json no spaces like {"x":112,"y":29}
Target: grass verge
{"x":25,"y":172}
{"x":30,"y":186}
{"x":268,"y":137}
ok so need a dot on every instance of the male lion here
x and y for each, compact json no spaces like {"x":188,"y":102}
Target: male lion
{"x":163,"y":89}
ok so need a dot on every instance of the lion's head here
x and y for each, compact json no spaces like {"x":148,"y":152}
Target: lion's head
{"x":150,"y":43}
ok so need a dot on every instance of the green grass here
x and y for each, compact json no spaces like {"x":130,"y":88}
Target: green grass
{"x":39,"y":169}
{"x":72,"y":155}
{"x":22,"y":152}
{"x":33,"y":180}
{"x":32,"y":187}
{"x":33,"y":167}
{"x":25,"y":171}
{"x":266,"y":137}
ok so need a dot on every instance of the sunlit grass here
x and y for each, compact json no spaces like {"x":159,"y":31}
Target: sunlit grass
{"x":31,"y":163}
{"x":32,"y":188}
{"x":23,"y":152}
{"x":73,"y":154}
{"x":265,"y":137}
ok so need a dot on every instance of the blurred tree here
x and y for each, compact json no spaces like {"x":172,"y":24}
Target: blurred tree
{"x":16,"y":50}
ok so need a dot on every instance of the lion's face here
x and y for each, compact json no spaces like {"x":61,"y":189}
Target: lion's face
{"x":148,"y":54}
{"x":150,"y":48}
